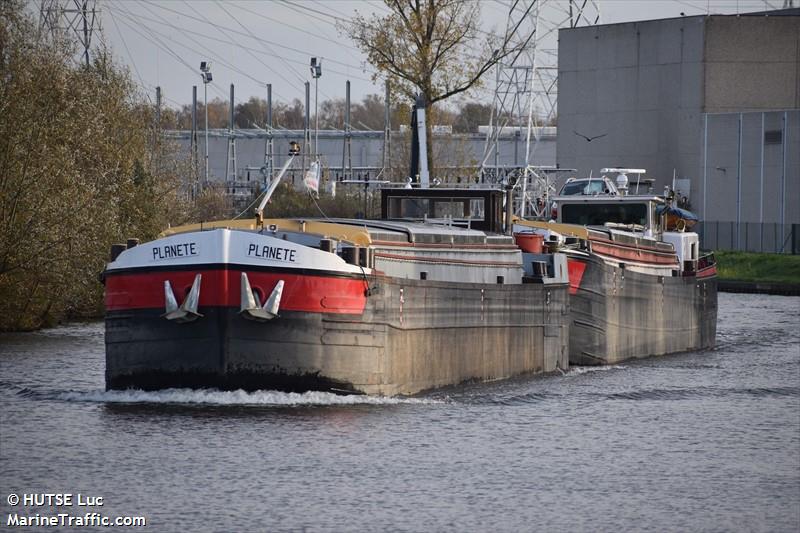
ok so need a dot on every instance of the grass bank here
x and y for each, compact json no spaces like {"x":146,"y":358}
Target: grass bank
{"x":748,"y":266}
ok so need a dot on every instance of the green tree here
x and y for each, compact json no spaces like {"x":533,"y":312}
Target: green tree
{"x":251,"y":114}
{"x":290,"y":202}
{"x":471,"y":115}
{"x":81,"y":166}
{"x":429,"y":47}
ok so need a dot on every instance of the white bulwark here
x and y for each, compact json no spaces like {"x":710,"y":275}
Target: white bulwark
{"x":223,"y":246}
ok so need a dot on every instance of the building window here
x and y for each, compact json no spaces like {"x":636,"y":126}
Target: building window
{"x":773,"y":137}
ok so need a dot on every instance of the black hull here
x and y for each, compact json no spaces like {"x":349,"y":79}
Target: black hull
{"x":429,"y":335}
{"x":617,"y":314}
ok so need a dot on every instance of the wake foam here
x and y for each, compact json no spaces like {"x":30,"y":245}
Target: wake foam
{"x":580,"y":370}
{"x":237,"y":397}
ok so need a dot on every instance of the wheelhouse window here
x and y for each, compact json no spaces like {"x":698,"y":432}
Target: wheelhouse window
{"x":596,"y":214}
{"x":585,"y":187}
{"x":455,"y":208}
{"x":479,"y":209}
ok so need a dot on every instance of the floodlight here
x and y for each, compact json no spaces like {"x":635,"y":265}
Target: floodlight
{"x":316,"y":67}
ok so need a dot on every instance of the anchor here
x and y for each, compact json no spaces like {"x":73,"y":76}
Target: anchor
{"x":250,"y":308}
{"x":187,"y":312}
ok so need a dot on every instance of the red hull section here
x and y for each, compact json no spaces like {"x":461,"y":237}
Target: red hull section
{"x":576,"y":270}
{"x":635,"y":254}
{"x":707,"y":272}
{"x":221,"y":288}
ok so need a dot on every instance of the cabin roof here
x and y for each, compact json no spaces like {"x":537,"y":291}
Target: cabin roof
{"x":407,"y":231}
{"x":605,"y":199}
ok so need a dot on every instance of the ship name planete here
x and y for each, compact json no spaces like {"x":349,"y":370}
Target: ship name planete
{"x":271,"y":252}
{"x":171,"y":251}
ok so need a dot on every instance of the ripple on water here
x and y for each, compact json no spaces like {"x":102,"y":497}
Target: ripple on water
{"x":702,"y":392}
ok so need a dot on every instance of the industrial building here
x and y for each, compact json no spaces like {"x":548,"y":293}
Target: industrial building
{"x":712,"y":101}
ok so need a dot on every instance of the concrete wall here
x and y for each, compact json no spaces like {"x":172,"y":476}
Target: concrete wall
{"x":640,"y":84}
{"x":679,"y":94}
{"x":752,"y":63}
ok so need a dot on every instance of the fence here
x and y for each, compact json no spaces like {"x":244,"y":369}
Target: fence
{"x":750,"y":236}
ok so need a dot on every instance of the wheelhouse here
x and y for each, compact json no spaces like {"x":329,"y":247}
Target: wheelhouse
{"x":480,"y":209}
{"x":636,"y":213}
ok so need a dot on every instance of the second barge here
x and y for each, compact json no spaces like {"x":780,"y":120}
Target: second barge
{"x":639,"y":284}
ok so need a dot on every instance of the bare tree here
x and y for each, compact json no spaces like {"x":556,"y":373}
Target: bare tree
{"x":431,"y":47}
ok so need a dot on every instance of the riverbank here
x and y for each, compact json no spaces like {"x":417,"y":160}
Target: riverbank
{"x":758,"y":273}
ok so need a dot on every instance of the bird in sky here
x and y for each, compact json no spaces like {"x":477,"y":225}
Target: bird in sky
{"x":588,"y":139}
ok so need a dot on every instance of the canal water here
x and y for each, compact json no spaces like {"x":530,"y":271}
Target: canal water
{"x":704,"y":441}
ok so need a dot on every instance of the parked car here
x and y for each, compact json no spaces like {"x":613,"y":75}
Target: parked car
{"x":588,"y":186}
{"x":585,"y":186}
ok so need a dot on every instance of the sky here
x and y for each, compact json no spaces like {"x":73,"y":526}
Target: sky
{"x":253,"y":43}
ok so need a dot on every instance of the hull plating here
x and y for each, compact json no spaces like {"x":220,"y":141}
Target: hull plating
{"x":617,"y":314}
{"x":409,"y":336}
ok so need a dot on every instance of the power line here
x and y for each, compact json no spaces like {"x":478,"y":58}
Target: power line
{"x":317,"y":35}
{"x":125,"y":44}
{"x":294,"y":70}
{"x":687,"y":4}
{"x":155,"y":36}
{"x":247,"y":50}
{"x":218,"y":89}
{"x":312,"y":34}
{"x":129,"y":23}
{"x":301,"y":6}
{"x":260,"y":39}
{"x":187,"y":32}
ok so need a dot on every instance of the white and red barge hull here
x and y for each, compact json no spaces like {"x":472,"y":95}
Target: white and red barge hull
{"x":339,"y":327}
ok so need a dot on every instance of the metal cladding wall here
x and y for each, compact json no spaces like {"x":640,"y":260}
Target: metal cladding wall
{"x":749,"y":183}
{"x":366,"y":151}
{"x":669,"y":95}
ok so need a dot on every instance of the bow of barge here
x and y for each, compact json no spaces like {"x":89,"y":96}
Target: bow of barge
{"x":393,"y":306}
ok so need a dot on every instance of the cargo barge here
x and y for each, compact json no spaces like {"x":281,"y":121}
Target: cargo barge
{"x":639,"y":284}
{"x":433,"y":294}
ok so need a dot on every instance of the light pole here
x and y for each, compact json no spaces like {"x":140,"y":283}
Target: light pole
{"x":316,"y":73}
{"x":205,"y":73}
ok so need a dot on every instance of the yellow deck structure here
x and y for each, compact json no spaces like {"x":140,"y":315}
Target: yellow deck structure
{"x":564,"y":229}
{"x":328,"y":230}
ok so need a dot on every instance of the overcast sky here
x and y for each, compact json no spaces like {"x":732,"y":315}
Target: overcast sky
{"x":252,"y":43}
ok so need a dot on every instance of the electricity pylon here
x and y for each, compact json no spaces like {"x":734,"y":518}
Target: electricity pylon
{"x":76,"y":19}
{"x":526,"y":88}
